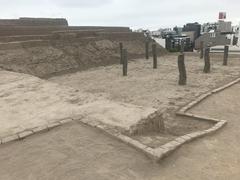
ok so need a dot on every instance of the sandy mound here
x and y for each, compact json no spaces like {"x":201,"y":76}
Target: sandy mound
{"x":69,"y":53}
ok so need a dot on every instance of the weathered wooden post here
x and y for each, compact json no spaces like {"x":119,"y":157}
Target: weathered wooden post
{"x":182,"y":70}
{"x":225,"y":58}
{"x":182,"y":46}
{"x":201,"y":50}
{"x":207,"y":65}
{"x":121,"y":53}
{"x":154,"y":52}
{"x":147,"y":49}
{"x":125,"y":62}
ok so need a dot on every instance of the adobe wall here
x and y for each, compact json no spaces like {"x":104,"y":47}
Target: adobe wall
{"x":45,"y":30}
{"x":34,"y":22}
{"x":45,"y":26}
{"x":5,"y":39}
{"x":28,"y":30}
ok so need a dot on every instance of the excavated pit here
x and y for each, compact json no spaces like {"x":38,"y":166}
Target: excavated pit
{"x":161,"y":129}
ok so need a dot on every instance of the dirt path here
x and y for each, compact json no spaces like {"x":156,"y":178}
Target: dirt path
{"x":78,"y":152}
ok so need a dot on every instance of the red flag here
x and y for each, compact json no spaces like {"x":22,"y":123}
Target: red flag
{"x":222,"y":15}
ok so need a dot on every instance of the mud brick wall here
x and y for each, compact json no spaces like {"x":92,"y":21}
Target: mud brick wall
{"x":31,"y":26}
{"x":5,"y":39}
{"x":45,"y":30}
{"x":34,"y":22}
{"x":28,"y":30}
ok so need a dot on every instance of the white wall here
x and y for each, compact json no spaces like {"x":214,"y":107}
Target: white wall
{"x":160,"y":41}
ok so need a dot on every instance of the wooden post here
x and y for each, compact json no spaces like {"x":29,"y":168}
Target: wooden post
{"x":121,"y":53}
{"x":182,"y":46}
{"x":125,"y":62}
{"x":225,"y":58}
{"x":182,"y":70}
{"x":147,"y":49}
{"x":201,"y":50}
{"x":207,"y":65}
{"x":154,"y":52}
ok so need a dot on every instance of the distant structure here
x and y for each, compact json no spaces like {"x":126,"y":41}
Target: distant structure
{"x":193,"y":31}
{"x":236,"y":37}
{"x":218,"y":33}
{"x":34,"y":22}
{"x":174,"y":42}
{"x":194,"y":28}
{"x":178,"y":36}
{"x":182,"y":36}
{"x":46,"y":26}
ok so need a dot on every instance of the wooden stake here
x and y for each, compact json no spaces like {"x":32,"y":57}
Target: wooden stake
{"x":225,"y":58}
{"x":201,"y":50}
{"x":121,"y":53}
{"x":154,"y":51}
{"x":147,"y":50}
{"x":182,"y":46}
{"x":207,"y":65}
{"x":182,"y":70}
{"x":125,"y":62}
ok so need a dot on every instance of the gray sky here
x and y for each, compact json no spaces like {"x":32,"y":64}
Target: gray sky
{"x":151,"y":14}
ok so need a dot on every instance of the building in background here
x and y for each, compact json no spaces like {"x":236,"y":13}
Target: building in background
{"x":193,"y":31}
{"x":174,"y":42}
{"x":218,"y":33}
{"x":185,"y":36}
{"x":190,"y":35}
{"x":238,"y":35}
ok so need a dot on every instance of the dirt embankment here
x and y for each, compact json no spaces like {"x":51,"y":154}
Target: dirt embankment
{"x":68,"y":52}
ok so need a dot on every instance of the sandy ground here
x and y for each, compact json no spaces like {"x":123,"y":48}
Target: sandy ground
{"x":27,"y":102}
{"x":157,"y":88}
{"x":153,"y":88}
{"x":76,"y":152}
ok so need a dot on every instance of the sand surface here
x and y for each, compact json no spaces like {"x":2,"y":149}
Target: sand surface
{"x":77,"y":152}
{"x":156,"y":88}
{"x":120,"y":115}
{"x":27,"y":102}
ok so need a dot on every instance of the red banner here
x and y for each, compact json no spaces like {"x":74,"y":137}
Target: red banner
{"x":222,"y":15}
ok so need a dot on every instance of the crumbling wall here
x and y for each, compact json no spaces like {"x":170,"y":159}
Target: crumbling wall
{"x":45,"y":26}
{"x":6,"y":39}
{"x":34,"y":22}
{"x":46,"y":30}
{"x":28,"y":30}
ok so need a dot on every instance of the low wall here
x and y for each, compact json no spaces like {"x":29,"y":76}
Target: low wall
{"x":22,"y":45}
{"x":34,"y":22}
{"x":45,"y":26}
{"x":6,"y":39}
{"x":28,"y":30}
{"x":6,"y":30}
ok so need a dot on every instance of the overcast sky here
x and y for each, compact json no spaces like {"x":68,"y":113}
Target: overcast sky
{"x":151,"y":14}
